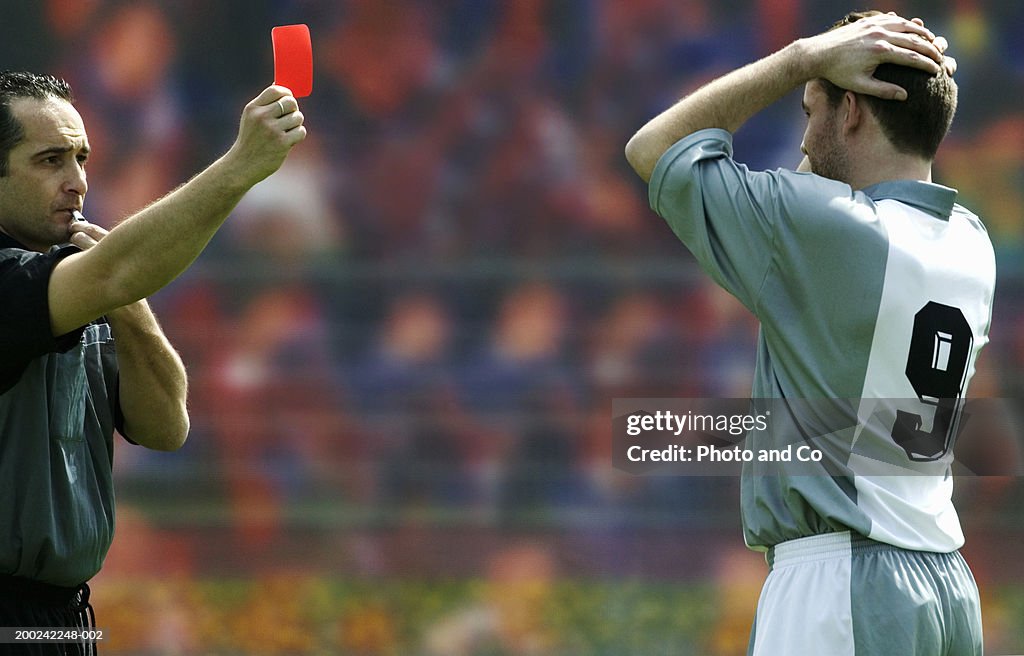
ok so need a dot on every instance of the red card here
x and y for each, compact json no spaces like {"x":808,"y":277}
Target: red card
{"x":293,"y":58}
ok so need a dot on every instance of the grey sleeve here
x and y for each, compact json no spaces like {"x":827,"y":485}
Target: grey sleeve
{"x":747,"y":227}
{"x":724,"y":213}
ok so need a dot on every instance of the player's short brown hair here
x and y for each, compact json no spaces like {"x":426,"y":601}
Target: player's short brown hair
{"x":918,"y":124}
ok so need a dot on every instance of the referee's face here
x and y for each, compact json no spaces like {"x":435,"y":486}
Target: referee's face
{"x":45,"y":178}
{"x":822,"y":142}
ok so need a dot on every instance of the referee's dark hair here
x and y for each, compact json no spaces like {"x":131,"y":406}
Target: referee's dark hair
{"x":22,"y":84}
{"x":918,"y":124}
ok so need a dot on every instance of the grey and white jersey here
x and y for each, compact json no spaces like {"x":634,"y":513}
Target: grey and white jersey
{"x":875,"y":302}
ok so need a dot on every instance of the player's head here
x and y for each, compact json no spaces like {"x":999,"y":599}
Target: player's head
{"x":22,"y":84}
{"x":915,"y":126}
{"x":43,"y":148}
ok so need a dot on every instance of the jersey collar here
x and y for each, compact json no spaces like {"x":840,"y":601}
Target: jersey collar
{"x":6,"y":241}
{"x":929,"y":197}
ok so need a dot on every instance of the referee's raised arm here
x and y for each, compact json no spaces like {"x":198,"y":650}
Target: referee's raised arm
{"x":154,"y":246}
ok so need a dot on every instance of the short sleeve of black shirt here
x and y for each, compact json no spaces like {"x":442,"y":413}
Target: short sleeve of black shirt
{"x":25,"y":332}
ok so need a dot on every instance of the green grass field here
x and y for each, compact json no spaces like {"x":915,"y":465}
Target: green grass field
{"x":290,"y":614}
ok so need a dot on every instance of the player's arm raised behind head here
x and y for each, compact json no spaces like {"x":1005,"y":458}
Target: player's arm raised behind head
{"x":846,"y":56}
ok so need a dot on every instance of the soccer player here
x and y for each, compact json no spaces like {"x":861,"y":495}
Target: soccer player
{"x":871,"y":284}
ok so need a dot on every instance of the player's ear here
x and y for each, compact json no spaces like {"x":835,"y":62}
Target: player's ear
{"x":851,"y":112}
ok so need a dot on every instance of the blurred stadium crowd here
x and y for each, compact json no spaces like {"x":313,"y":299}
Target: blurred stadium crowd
{"x":419,"y":323}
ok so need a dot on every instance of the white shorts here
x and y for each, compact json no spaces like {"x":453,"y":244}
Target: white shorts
{"x":843,"y":595}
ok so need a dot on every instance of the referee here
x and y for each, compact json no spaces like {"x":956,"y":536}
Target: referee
{"x":81,"y":354}
{"x":874,"y":292}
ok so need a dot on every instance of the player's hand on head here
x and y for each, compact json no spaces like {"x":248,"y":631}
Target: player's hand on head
{"x":270,"y":126}
{"x":848,"y":56}
{"x":948,"y":62}
{"x":942,"y":45}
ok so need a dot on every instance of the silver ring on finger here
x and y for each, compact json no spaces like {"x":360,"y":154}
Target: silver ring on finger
{"x":280,"y":105}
